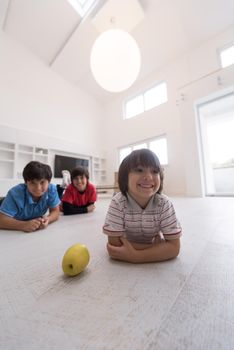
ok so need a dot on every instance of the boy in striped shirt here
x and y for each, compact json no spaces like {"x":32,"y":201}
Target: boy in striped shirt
{"x":141,"y":223}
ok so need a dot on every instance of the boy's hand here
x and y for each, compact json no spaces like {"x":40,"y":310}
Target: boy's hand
{"x":44,"y":222}
{"x":125,"y":252}
{"x":90,"y":208}
{"x":31,"y":225}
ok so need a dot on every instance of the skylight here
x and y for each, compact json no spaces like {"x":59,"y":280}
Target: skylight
{"x":82,"y":6}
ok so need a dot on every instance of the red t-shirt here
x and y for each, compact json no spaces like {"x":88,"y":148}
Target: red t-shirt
{"x":72,"y":196}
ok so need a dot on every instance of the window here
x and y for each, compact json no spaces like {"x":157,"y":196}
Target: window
{"x":227,"y":56}
{"x":124,"y":152}
{"x":149,"y":99}
{"x":82,"y":6}
{"x":155,"y":96}
{"x":158,"y":145}
{"x":139,"y":146}
{"x":134,"y":106}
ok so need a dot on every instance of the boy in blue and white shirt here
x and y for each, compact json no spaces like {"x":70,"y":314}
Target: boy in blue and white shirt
{"x":26,"y":205}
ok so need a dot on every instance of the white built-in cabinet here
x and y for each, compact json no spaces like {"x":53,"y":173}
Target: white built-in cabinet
{"x":25,"y":154}
{"x":98,"y":170}
{"x":14,"y":157}
{"x":7,"y":160}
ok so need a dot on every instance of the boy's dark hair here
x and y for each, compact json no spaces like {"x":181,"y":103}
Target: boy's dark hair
{"x":37,"y":171}
{"x":142,"y":157}
{"x":79,"y":171}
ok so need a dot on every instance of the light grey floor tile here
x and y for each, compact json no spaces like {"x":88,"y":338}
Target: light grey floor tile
{"x":184,"y":304}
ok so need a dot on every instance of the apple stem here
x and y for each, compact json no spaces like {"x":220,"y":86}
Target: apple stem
{"x":71,"y":266}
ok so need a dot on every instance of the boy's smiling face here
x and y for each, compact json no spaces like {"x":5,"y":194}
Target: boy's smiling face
{"x":143,"y":183}
{"x":37,"y":187}
{"x":80,"y":182}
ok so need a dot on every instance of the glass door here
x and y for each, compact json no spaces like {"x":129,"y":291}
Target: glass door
{"x":216,"y":123}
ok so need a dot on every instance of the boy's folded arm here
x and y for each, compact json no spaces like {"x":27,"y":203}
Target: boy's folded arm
{"x":53,"y":214}
{"x":128,"y":251}
{"x":115,"y":240}
{"x":9,"y":223}
{"x":165,"y":250}
{"x":71,"y":209}
{"x":113,"y":236}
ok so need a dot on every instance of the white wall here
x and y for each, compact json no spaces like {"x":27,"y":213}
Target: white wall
{"x":183,"y":174}
{"x":34,"y":98}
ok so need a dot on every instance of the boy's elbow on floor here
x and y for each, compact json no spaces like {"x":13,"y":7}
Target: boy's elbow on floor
{"x":176,"y":249}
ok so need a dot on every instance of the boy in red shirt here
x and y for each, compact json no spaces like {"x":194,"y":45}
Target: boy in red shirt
{"x":79,"y":197}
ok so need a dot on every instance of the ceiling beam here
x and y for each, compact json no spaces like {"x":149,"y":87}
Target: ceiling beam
{"x":93,"y":8}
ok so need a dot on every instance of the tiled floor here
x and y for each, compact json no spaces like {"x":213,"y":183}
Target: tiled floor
{"x":186,"y":303}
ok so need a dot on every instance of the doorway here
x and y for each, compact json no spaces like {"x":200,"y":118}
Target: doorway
{"x":216,"y":124}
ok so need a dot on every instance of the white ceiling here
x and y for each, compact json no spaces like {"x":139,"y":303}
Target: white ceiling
{"x":60,"y":38}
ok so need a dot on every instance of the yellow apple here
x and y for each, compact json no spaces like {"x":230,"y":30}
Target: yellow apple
{"x":75,"y":259}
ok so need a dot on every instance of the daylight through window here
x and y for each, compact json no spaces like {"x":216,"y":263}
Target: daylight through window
{"x":227,"y":56}
{"x":158,"y":145}
{"x":82,"y":6}
{"x":149,"y":99}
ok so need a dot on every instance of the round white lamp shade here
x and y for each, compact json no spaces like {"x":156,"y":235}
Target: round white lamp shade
{"x":115,"y":60}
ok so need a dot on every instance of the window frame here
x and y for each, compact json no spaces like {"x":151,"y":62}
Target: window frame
{"x":142,"y":94}
{"x":147,"y":142}
{"x":83,"y":9}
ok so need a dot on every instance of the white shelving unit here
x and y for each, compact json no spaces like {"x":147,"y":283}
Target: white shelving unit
{"x":14,"y":157}
{"x":98,"y":170}
{"x":25,"y":154}
{"x":7,"y":160}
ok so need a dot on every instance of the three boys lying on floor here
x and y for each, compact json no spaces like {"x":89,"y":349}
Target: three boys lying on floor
{"x":141,"y":223}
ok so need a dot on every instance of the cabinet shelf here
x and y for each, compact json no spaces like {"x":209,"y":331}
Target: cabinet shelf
{"x":41,"y":151}
{"x":24,"y":152}
{"x":24,"y":148}
{"x":98,"y":170}
{"x":7,"y":160}
{"x":14,"y":157}
{"x":7,"y":154}
{"x":7,"y":146}
{"x":6,"y":169}
{"x":6,"y":149}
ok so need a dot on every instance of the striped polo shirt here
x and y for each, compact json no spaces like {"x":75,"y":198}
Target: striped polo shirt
{"x":126,"y":218}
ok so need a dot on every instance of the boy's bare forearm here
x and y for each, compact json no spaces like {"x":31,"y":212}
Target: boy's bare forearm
{"x":9,"y":223}
{"x":53,"y":215}
{"x":115,"y":241}
{"x":158,"y":252}
{"x":142,"y":253}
